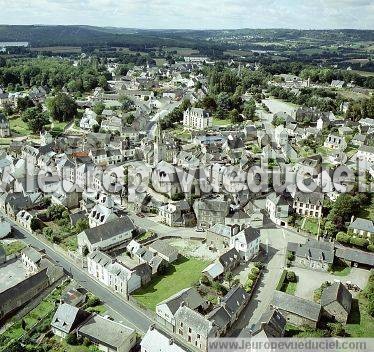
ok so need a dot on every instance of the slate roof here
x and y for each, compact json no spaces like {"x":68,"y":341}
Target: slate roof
{"x":105,"y":331}
{"x":337,"y":292}
{"x":248,"y":235}
{"x":356,"y":256}
{"x":296,"y":305}
{"x":315,"y":198}
{"x":362,"y":224}
{"x":221,"y":230}
{"x":220,"y":317}
{"x":200,"y":323}
{"x":31,"y":253}
{"x":68,"y":317}
{"x":271,"y":324}
{"x":165,"y":343}
{"x":214,"y":270}
{"x":162,"y":247}
{"x":109,"y":229}
{"x":228,"y":257}
{"x":189,"y":296}
{"x":234,"y":300}
{"x":316,"y":250}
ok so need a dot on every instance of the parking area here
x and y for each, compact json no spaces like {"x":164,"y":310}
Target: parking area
{"x":11,"y":273}
{"x":309,"y":280}
{"x":193,"y":248}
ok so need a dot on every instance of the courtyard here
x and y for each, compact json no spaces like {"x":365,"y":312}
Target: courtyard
{"x":309,"y":280}
{"x":182,"y":274}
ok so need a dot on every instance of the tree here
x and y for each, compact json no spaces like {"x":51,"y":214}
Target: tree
{"x":99,"y":108}
{"x":35,"y":118}
{"x":24,"y":102}
{"x":291,"y":276}
{"x":62,"y":107}
{"x":71,"y":339}
{"x":249,"y":109}
{"x":235,"y":117}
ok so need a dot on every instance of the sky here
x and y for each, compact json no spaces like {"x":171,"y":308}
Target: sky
{"x":193,"y":14}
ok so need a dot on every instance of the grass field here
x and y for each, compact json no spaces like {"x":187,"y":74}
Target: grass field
{"x":183,"y":274}
{"x":289,"y":287}
{"x":341,"y":270}
{"x":218,"y":122}
{"x":360,"y":323}
{"x":19,"y":126}
{"x":14,"y":247}
{"x":311,"y":225}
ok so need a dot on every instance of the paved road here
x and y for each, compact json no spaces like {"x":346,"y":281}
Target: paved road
{"x":133,"y":316}
{"x":275,"y":242}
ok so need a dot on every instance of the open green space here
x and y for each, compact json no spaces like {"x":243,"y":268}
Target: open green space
{"x":184,"y":273}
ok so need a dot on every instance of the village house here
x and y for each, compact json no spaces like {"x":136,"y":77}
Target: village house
{"x":112,"y":274}
{"x":108,"y":335}
{"x":166,"y":309}
{"x":336,"y":301}
{"x":362,"y":227}
{"x":297,"y":311}
{"x":67,"y":319}
{"x":308,"y":204}
{"x":194,"y":328}
{"x":219,"y":235}
{"x":197,"y":118}
{"x":4,"y":126}
{"x":313,"y":255}
{"x":247,"y":243}
{"x":335,"y":142}
{"x":100,"y":215}
{"x":88,"y":120}
{"x":106,"y":236}
{"x":226,"y":262}
{"x":211,"y":210}
{"x":272,"y":324}
{"x":365,"y":154}
{"x":278,"y":209}
{"x":165,"y":343}
{"x":164,"y":250}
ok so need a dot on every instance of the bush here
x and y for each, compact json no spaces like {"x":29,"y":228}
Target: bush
{"x":258,"y":265}
{"x":291,"y":276}
{"x":252,"y":276}
{"x":255,"y":271}
{"x":93,"y":301}
{"x":359,"y":242}
{"x":370,"y":248}
{"x":343,"y":237}
{"x":205,"y":280}
{"x":71,"y":339}
{"x":290,"y":256}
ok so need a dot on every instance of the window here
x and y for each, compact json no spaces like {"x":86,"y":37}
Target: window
{"x":189,"y":330}
{"x":181,"y":324}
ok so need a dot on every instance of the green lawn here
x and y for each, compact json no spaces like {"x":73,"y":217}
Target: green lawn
{"x":183,"y":274}
{"x":311,"y":225}
{"x":19,"y":126}
{"x":291,"y":288}
{"x":70,"y":243}
{"x":360,"y":323}
{"x":14,"y":247}
{"x":218,"y":122}
{"x":39,"y":315}
{"x":341,"y":270}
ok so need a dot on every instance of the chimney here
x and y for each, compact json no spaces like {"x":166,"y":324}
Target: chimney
{"x":171,"y":341}
{"x":152,"y":327}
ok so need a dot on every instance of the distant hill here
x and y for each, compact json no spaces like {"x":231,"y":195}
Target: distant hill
{"x":40,"y":35}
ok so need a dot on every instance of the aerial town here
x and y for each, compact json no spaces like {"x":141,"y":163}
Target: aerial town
{"x":153,"y":201}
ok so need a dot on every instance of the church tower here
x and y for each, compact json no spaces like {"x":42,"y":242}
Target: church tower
{"x":157,"y":145}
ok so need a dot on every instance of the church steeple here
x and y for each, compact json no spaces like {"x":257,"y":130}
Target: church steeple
{"x":157,"y":137}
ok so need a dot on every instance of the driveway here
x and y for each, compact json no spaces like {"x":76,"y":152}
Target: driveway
{"x":274,"y":241}
{"x":309,"y":280}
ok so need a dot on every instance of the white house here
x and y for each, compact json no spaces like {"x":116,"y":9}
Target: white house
{"x":100,"y":214}
{"x":197,"y":118}
{"x":24,"y":218}
{"x":112,"y":274}
{"x":246,"y":242}
{"x":277,"y":209}
{"x":164,"y":343}
{"x":335,"y":142}
{"x":88,"y":120}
